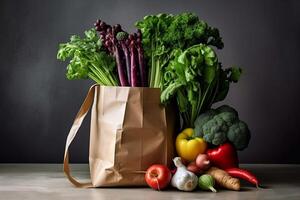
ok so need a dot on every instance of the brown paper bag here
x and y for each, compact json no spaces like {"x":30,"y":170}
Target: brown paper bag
{"x":130,"y":130}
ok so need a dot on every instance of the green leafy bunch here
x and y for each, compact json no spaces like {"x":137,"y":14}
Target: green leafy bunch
{"x":88,"y":59}
{"x":196,"y":79}
{"x":165,"y":33}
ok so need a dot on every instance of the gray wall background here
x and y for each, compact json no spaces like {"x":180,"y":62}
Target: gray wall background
{"x":37,"y":103}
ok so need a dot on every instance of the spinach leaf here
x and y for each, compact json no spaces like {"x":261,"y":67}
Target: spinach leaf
{"x":196,"y":79}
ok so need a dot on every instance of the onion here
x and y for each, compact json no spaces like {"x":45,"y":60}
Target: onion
{"x":202,"y":162}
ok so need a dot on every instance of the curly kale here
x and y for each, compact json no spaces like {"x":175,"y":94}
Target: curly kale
{"x":187,"y":30}
{"x":221,"y":125}
{"x":165,"y":33}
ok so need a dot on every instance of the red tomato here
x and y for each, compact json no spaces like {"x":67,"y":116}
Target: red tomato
{"x":158,"y":176}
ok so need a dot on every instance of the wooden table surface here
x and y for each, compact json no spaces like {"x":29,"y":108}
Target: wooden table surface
{"x":46,"y":181}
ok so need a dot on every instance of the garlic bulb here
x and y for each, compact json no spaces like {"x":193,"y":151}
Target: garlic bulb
{"x":183,"y":179}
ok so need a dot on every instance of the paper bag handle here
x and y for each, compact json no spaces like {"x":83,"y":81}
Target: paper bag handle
{"x":74,"y":129}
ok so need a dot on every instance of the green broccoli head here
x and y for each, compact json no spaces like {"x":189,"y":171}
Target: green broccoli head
{"x":215,"y":130}
{"x":221,"y":125}
{"x":201,"y":120}
{"x":228,"y":117}
{"x":239,"y":135}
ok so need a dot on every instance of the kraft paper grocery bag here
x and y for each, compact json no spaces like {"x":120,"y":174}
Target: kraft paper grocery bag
{"x":130,"y":130}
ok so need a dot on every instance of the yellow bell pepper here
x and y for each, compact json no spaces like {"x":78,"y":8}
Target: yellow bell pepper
{"x":189,"y":147}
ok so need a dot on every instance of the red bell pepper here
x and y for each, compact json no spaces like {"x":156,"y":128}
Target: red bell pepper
{"x":224,"y":156}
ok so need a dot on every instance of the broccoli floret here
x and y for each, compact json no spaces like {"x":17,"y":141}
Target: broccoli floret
{"x":221,"y":125}
{"x":122,"y":35}
{"x":239,"y":135}
{"x":213,"y":133}
{"x":201,"y":120}
{"x":215,"y":130}
{"x":226,"y":108}
{"x":228,"y":117}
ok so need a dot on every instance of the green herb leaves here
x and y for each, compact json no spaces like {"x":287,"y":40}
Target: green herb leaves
{"x":88,"y":60}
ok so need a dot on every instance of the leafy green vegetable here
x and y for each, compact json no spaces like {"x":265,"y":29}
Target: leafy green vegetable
{"x":217,"y":126}
{"x":165,"y":34}
{"x":88,"y":59}
{"x":193,"y":77}
{"x":153,"y":28}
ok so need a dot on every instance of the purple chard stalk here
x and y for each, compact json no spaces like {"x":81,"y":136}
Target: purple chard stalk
{"x":124,"y":42}
{"x":133,"y":60}
{"x":141,"y":59}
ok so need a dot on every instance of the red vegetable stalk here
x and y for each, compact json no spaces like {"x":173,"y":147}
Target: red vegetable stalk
{"x":111,"y":44}
{"x":120,"y":66}
{"x":128,"y":53}
{"x":243,"y":174}
{"x":122,"y":37}
{"x":127,"y":60}
{"x":141,"y":59}
{"x":133,"y":56}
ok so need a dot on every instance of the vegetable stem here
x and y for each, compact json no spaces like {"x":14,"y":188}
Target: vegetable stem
{"x":93,"y":77}
{"x":157,"y":74}
{"x":153,"y":67}
{"x":87,"y":59}
{"x":120,"y":67}
{"x":212,"y":189}
{"x":203,"y":98}
{"x":127,"y":61}
{"x":134,"y":80}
